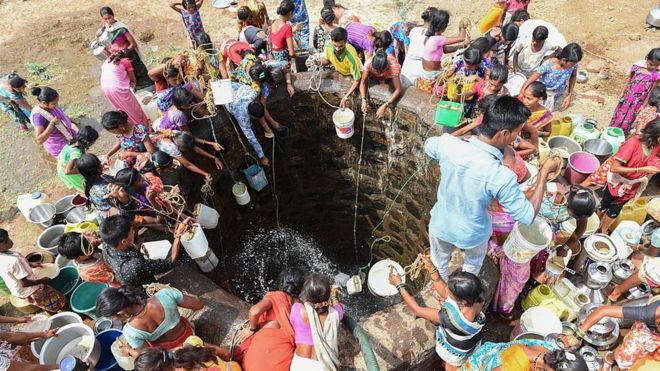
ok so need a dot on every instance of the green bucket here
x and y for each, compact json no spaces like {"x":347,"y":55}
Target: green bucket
{"x":83,"y":299}
{"x":4,"y":291}
{"x":66,"y":281}
{"x":448,"y":113}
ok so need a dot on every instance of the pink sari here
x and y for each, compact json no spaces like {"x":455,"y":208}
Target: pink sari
{"x":116,"y":86}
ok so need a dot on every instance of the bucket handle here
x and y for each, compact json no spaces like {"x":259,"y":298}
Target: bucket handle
{"x":249,"y":160}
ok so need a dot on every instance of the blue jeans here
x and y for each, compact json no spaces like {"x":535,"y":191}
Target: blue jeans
{"x":441,"y":255}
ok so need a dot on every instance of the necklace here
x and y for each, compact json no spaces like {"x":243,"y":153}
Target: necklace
{"x":536,"y":359}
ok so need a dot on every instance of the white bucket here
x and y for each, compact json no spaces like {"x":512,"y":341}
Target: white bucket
{"x":206,"y":216}
{"x":515,"y":83}
{"x":208,"y":262}
{"x":125,"y":362}
{"x":354,"y":285}
{"x":75,"y":339}
{"x":59,"y":320}
{"x":343,"y":120}
{"x":626,"y":234}
{"x":149,"y":104}
{"x":26,"y":202}
{"x":222,"y":93}
{"x":525,"y":241}
{"x":157,"y":249}
{"x":46,"y":270}
{"x":195,"y":242}
{"x":379,"y":282}
{"x":540,"y":320}
{"x":221,"y":4}
{"x":240,"y":191}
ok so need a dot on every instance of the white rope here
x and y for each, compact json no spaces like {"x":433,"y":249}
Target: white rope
{"x":357,"y":187}
{"x":317,"y":75}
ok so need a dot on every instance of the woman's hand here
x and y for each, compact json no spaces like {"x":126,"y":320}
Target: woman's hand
{"x":50,"y":333}
{"x":244,"y":334}
{"x":381,"y":111}
{"x":650,"y":169}
{"x":567,"y":102}
{"x":116,"y":191}
{"x":394,"y":277}
{"x":216,"y":146}
{"x":428,"y":264}
{"x":218,"y":163}
{"x":290,"y":89}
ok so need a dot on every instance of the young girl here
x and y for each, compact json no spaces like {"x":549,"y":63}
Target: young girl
{"x":281,"y":33}
{"x":649,"y":112}
{"x":471,"y":69}
{"x":52,"y":127}
{"x":250,"y":34}
{"x":179,"y":143}
{"x":412,"y":65}
{"x":493,"y":84}
{"x":13,"y":102}
{"x":189,"y":10}
{"x":558,"y":74}
{"x":117,"y":83}
{"x":66,"y":160}
{"x":460,"y":319}
{"x":96,"y":185}
{"x":400,"y":32}
{"x":643,"y":78}
{"x":150,"y":167}
{"x":501,"y":39}
{"x":322,"y":31}
{"x":177,"y":116}
{"x":131,"y":139}
{"x":539,"y":123}
{"x":381,"y":67}
{"x":511,"y":7}
{"x":435,"y":45}
{"x":89,"y":260}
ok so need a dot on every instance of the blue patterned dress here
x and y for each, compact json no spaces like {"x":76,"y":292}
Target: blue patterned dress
{"x":300,"y":16}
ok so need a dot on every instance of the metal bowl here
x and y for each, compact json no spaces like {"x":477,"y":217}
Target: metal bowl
{"x":42,"y":214}
{"x":76,"y":215}
{"x":654,"y":17}
{"x":564,"y":144}
{"x":600,"y":148}
{"x":64,"y":204}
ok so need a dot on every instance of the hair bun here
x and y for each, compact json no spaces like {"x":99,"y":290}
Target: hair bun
{"x":36,"y":91}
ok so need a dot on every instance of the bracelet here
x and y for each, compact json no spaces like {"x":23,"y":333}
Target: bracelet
{"x":400,"y":286}
{"x":580,"y":334}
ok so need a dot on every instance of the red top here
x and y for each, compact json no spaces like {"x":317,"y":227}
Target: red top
{"x":632,"y":155}
{"x":278,"y":39}
{"x":232,"y":49}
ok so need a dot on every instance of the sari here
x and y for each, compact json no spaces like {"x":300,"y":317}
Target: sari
{"x":540,"y":118}
{"x":492,"y":355}
{"x":270,"y":348}
{"x":18,"y":113}
{"x":634,"y":95}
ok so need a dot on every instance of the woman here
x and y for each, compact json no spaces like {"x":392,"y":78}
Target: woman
{"x":250,"y":34}
{"x":322,"y":31}
{"x":268,"y":342}
{"x":643,"y":78}
{"x":12,"y":100}
{"x":524,"y":355}
{"x":342,"y":13}
{"x":153,"y":322}
{"x":89,"y":261}
{"x":178,"y":144}
{"x":116,"y":36}
{"x":268,"y":77}
{"x":460,"y":320}
{"x":362,"y":37}
{"x":558,"y":74}
{"x":258,"y":13}
{"x":649,"y":112}
{"x":10,"y":359}
{"x":52,"y":127}
{"x":192,"y":357}
{"x":301,"y":20}
{"x":626,"y":178}
{"x":381,"y":67}
{"x":400,"y":31}
{"x":117,"y":82}
{"x":541,"y":117}
{"x":192,"y":20}
{"x":281,"y":33}
{"x":315,"y":323}
{"x":131,"y":139}
{"x":412,"y":65}
{"x":66,"y":160}
{"x":96,"y":185}
{"x":435,"y":45}
{"x":179,"y":113}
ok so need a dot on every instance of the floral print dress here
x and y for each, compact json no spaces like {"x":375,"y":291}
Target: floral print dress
{"x":634,"y":95}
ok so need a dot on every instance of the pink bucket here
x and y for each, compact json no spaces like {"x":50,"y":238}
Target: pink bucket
{"x":580,"y":166}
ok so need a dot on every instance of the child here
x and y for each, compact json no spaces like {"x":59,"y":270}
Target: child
{"x":513,"y":6}
{"x":381,"y":67}
{"x":539,"y":123}
{"x":558,"y":74}
{"x":493,"y":84}
{"x":643,"y":77}
{"x":66,"y":160}
{"x":467,"y":71}
{"x":649,"y":112}
{"x":178,"y":143}
{"x":89,"y":261}
{"x":177,"y":116}
{"x":150,"y":167}
{"x":189,"y":10}
{"x":501,"y":39}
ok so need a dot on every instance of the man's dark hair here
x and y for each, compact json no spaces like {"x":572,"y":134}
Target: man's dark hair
{"x":506,"y":113}
{"x":115,"y":228}
{"x":339,"y":34}
{"x":540,"y":33}
{"x":4,"y":235}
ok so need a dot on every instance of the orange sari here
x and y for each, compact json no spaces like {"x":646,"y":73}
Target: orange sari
{"x":270,"y":348}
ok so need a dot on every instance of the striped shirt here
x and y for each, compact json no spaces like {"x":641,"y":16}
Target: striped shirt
{"x":456,"y":336}
{"x":347,"y":64}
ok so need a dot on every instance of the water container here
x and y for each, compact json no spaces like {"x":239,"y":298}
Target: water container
{"x":195,"y":242}
{"x":83,"y":299}
{"x":576,"y":119}
{"x":634,"y":210}
{"x":572,"y":299}
{"x":149,"y":104}
{"x":256,"y":177}
{"x":561,"y":127}
{"x":206,"y":216}
{"x":208,"y":262}
{"x":580,"y":166}
{"x":539,"y":320}
{"x":125,"y":362}
{"x":614,"y":136}
{"x":43,"y":214}
{"x":27,"y":201}
{"x":73,"y":338}
{"x":600,"y":148}
{"x":107,"y":361}
{"x":626,"y":234}
{"x":221,"y":4}
{"x":48,"y":240}
{"x":515,"y":83}
{"x":448,"y":113}
{"x":63,"y":206}
{"x":378,"y":279}
{"x":155,"y":250}
{"x":584,"y":132}
{"x":241,"y":193}
{"x":525,"y":241}
{"x":23,"y":305}
{"x":343,"y":119}
{"x":537,"y":296}
{"x":59,"y":320}
{"x":222,"y":92}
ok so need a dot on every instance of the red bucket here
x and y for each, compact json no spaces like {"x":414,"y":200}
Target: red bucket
{"x":580,"y":166}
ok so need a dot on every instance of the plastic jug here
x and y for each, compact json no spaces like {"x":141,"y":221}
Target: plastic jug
{"x":615,"y":137}
{"x":572,"y":299}
{"x":584,"y":132}
{"x":538,"y":295}
{"x":625,"y":235}
{"x":632,"y":210}
{"x":195,"y":242}
{"x":565,"y":126}
{"x":27,"y":201}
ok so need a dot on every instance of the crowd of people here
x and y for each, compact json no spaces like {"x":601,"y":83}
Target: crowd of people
{"x":488,"y":157}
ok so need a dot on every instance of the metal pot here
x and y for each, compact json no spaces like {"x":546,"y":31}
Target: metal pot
{"x":569,"y":328}
{"x":600,"y":148}
{"x":599,"y":274}
{"x":654,"y":17}
{"x":639,"y":291}
{"x":564,"y":143}
{"x":597,"y":247}
{"x":621,"y":270}
{"x":604,"y":334}
{"x":591,"y":357}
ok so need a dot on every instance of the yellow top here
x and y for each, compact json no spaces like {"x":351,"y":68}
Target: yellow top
{"x":348,"y":63}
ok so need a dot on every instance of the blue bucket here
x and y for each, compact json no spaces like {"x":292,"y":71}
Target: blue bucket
{"x":256,"y":177}
{"x":107,"y":361}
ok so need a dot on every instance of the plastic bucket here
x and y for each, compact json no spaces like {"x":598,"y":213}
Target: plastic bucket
{"x":107,"y":360}
{"x":208,"y":262}
{"x":541,"y":320}
{"x":525,"y":241}
{"x":600,"y":148}
{"x":448,"y":113}
{"x":343,"y":120}
{"x":580,"y":166}
{"x":42,"y":214}
{"x":58,"y":320}
{"x":614,"y":136}
{"x":125,"y":362}
{"x":515,"y":83}
{"x":206,"y":216}
{"x":156,"y":249}
{"x":221,"y":4}
{"x":83,"y":299}
{"x":23,"y":305}
{"x":222,"y":92}
{"x":195,"y":242}
{"x":62,"y":261}
{"x":48,"y":240}
{"x":241,"y":193}
{"x":378,"y":279}
{"x":75,"y":339}
{"x":256,"y":177}
{"x":67,"y":281}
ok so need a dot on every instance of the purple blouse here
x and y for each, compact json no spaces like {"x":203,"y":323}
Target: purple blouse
{"x":357,"y":36}
{"x":56,"y":141}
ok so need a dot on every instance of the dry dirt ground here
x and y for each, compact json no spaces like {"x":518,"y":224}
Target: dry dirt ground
{"x":55,"y":34}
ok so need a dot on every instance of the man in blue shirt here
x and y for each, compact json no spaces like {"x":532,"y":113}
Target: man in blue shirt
{"x":473,"y":174}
